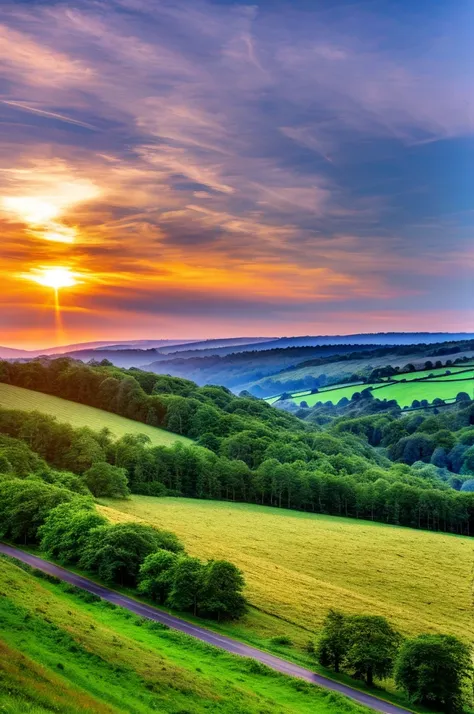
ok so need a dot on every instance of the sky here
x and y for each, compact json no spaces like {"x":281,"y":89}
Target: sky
{"x":191,"y":169}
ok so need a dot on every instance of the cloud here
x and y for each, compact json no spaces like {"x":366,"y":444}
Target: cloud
{"x":218,"y":148}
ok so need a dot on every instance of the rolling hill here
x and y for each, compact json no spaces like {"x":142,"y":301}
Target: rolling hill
{"x":103,"y":660}
{"x":79,"y":415}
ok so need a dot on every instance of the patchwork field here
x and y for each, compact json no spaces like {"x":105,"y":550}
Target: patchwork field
{"x":298,"y":565}
{"x":104,"y":660}
{"x":344,"y":368}
{"x":415,"y":385}
{"x":79,"y":415}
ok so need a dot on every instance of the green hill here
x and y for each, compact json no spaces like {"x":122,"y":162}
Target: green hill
{"x":298,"y":565}
{"x":63,"y":650}
{"x":79,"y":415}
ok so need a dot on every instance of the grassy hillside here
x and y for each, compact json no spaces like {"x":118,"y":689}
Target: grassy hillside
{"x":62,"y":651}
{"x":299,"y":565}
{"x":79,"y":415}
{"x":415,"y":385}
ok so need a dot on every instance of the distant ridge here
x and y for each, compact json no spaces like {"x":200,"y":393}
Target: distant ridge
{"x":144,"y":349}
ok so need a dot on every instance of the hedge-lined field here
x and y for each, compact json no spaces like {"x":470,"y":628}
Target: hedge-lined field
{"x":79,"y":415}
{"x":415,"y":385}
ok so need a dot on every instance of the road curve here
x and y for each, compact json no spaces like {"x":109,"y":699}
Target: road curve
{"x":201,"y":633}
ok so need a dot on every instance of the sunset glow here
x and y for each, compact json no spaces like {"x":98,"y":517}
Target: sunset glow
{"x":221,"y":168}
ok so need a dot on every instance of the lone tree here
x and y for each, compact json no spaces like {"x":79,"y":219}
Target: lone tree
{"x":373,"y":646}
{"x":333,"y":643}
{"x":433,"y":670}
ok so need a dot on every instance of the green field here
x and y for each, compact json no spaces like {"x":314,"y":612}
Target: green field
{"x":461,"y":372}
{"x":298,"y":565}
{"x":416,"y":386}
{"x":79,"y":415}
{"x":406,"y":392}
{"x":62,"y":652}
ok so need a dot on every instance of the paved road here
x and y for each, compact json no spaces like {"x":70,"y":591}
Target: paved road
{"x":201,"y":633}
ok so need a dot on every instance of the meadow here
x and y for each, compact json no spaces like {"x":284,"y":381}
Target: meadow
{"x":80,"y":415}
{"x":298,"y":565}
{"x":104,"y":660}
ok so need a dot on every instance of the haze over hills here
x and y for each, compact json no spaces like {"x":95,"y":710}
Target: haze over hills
{"x":164,"y":346}
{"x":265,"y":366}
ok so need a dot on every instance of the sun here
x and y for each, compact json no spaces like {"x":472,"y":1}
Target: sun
{"x":55,"y":278}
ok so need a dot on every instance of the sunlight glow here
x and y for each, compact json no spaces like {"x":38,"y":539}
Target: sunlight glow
{"x":55,"y":278}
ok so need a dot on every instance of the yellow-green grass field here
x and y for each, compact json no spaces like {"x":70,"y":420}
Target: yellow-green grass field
{"x":299,"y":565}
{"x":79,"y":415}
{"x":62,"y":650}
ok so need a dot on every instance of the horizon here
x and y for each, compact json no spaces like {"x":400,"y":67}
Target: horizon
{"x":182,"y":340}
{"x":213,"y":166}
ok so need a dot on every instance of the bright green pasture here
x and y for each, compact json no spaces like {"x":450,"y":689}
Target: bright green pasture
{"x":331,"y":395}
{"x":79,"y":415}
{"x":443,"y":387}
{"x":404,"y":393}
{"x":468,"y":374}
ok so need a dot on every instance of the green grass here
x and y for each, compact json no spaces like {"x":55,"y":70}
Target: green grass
{"x":444,"y":386}
{"x":63,"y":651}
{"x":79,"y":415}
{"x":406,"y":392}
{"x":330,"y":395}
{"x":298,"y":565}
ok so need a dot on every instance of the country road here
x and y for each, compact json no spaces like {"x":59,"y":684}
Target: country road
{"x":226,"y":643}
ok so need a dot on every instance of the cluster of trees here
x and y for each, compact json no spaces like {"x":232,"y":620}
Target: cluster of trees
{"x":188,"y":584}
{"x":433,"y":670}
{"x":68,"y":527}
{"x":444,"y":439}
